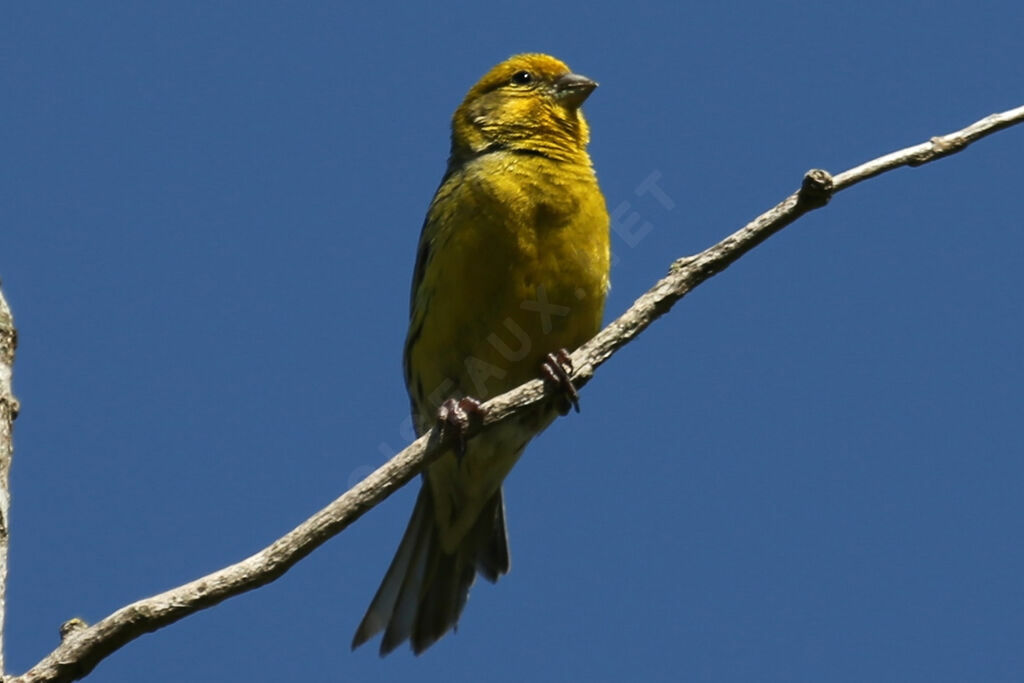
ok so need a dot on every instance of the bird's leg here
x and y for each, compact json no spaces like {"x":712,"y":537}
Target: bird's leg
{"x":557,"y":368}
{"x":454,"y":415}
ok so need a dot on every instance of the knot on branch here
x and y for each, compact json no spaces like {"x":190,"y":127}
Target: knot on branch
{"x":938,"y":146}
{"x":816,"y":189}
{"x":681,"y":264}
{"x":73,"y":625}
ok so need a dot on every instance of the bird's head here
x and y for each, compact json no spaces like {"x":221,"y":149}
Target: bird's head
{"x":528,"y":103}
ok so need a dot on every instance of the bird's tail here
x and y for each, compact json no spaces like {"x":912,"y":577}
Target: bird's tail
{"x":425,"y":588}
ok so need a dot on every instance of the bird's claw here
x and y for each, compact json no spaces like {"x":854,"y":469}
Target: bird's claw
{"x":557,"y":368}
{"x":454,"y":417}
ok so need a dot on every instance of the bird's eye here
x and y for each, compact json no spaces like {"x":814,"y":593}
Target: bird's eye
{"x":522,"y":78}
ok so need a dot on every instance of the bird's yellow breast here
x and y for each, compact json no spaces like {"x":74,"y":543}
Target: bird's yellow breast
{"x":518,"y":267}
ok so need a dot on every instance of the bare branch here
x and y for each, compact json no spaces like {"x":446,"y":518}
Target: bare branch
{"x":83,"y":648}
{"x":8,"y":411}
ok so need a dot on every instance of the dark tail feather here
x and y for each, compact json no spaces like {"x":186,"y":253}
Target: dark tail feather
{"x":425,"y":589}
{"x":383,"y":604}
{"x":492,"y":558}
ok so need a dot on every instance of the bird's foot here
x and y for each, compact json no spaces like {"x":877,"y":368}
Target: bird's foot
{"x":454,"y":417}
{"x":557,"y":368}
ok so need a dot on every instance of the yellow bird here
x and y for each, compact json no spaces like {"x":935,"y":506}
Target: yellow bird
{"x":512,"y":269}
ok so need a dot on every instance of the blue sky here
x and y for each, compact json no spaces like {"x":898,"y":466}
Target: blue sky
{"x":810,"y":470}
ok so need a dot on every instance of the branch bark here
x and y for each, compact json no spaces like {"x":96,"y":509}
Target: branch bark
{"x":84,"y":647}
{"x":8,"y":411}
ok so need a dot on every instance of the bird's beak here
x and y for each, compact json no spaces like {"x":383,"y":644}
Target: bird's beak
{"x":571,"y":89}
